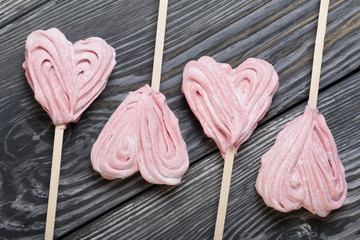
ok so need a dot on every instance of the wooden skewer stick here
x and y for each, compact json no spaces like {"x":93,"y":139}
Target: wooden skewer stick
{"x":318,"y":52}
{"x":224,"y":193}
{"x":54,"y":181}
{"x":314,"y":88}
{"x":159,"y":45}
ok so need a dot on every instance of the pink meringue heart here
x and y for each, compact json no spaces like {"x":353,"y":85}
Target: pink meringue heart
{"x":229,"y":102}
{"x":66,"y":78}
{"x":142,"y":134}
{"x":115,"y":153}
{"x":303,"y":168}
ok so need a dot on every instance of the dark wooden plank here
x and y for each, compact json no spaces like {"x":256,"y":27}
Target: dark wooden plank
{"x":189,"y":211}
{"x":281,"y":32}
{"x":13,"y":9}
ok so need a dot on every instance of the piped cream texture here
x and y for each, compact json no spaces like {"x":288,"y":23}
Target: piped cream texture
{"x":303,"y":168}
{"x":143,"y":134}
{"x":229,"y":102}
{"x":66,"y":77}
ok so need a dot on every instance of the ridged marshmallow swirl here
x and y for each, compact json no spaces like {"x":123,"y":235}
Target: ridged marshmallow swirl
{"x":303,"y":168}
{"x":66,"y":78}
{"x":143,"y":134}
{"x":229,"y":102}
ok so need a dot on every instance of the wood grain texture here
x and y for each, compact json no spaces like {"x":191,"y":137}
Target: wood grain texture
{"x":12,"y":9}
{"x":281,"y":32}
{"x":188,"y":211}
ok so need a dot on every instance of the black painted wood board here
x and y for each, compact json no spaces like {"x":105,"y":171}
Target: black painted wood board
{"x":188,"y":211}
{"x":281,"y":32}
{"x":14,"y":9}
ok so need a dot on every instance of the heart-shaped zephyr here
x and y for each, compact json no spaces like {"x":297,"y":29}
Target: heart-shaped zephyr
{"x":66,"y":78}
{"x":229,"y":102}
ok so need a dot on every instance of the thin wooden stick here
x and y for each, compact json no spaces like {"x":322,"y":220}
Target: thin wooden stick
{"x":224,"y":193}
{"x":54,"y":181}
{"x":159,"y":45}
{"x":318,"y":52}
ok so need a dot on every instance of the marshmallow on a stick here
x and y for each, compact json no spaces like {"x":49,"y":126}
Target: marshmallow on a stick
{"x":229,"y":102}
{"x":65,"y":78}
{"x":303,"y":168}
{"x":143,"y":134}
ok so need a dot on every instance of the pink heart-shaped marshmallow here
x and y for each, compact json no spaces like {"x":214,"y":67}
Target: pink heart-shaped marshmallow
{"x":66,"y":78}
{"x":303,"y":168}
{"x":229,"y":102}
{"x":143,"y":134}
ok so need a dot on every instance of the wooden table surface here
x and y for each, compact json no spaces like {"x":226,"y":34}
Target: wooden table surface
{"x":281,"y":32}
